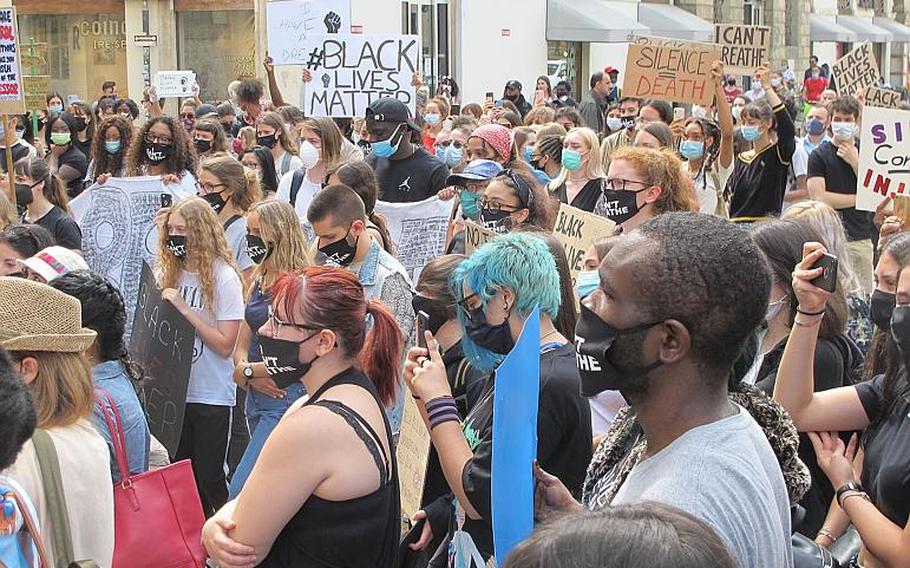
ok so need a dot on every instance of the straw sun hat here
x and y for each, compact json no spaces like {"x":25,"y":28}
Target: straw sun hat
{"x":36,"y":317}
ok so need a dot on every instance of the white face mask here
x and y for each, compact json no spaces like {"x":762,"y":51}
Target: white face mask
{"x":308,"y":154}
{"x":843,"y":130}
{"x":737,"y":112}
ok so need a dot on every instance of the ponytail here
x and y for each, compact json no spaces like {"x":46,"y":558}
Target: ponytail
{"x":253,"y":187}
{"x":381,"y":355}
{"x":383,"y":227}
{"x":55,"y":192}
{"x":36,"y":169}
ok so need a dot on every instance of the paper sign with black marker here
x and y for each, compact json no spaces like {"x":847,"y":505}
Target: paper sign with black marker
{"x":856,"y":71}
{"x":162,"y":342}
{"x":292,"y":23}
{"x":743,"y":48}
{"x":884,"y":162}
{"x":576,"y":230}
{"x":883,"y":98}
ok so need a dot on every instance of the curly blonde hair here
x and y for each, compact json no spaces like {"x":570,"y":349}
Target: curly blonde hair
{"x":661,"y":168}
{"x":205,"y":244}
{"x":280,"y":228}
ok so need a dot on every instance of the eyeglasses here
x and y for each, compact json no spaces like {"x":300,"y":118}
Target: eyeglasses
{"x":496,"y":205}
{"x":276,"y":324}
{"x":208,"y":187}
{"x":448,"y":143}
{"x":620,"y":183}
{"x":463,"y":306}
{"x":188,"y":115}
{"x":152,"y":139}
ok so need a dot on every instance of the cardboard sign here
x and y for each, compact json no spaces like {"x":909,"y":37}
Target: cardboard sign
{"x":475,"y":236}
{"x":670,"y":70}
{"x":884,"y":166}
{"x":883,"y":98}
{"x":12,"y":95}
{"x":412,"y":452}
{"x":175,"y":83}
{"x":36,"y":88}
{"x":743,"y":48}
{"x":291,"y":24}
{"x":350,"y":71}
{"x":856,"y":71}
{"x":576,"y":230}
{"x":162,"y":342}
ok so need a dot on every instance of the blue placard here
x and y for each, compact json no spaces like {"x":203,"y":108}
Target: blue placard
{"x":515,"y":439}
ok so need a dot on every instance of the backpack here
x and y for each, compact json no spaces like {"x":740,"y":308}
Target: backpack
{"x":296,"y":182}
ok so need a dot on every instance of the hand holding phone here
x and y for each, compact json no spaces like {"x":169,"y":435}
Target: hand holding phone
{"x":166,"y":200}
{"x":679,"y":113}
{"x":423,"y":321}
{"x":828,"y":280}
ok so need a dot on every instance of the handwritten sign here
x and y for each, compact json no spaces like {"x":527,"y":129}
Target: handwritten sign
{"x":884,"y":166}
{"x":743,"y":48}
{"x":175,"y":83}
{"x":475,"y":236}
{"x":418,"y":230}
{"x":412,"y":452}
{"x":576,"y":230}
{"x":883,"y":98}
{"x":36,"y":88}
{"x":670,"y":70}
{"x":291,"y":24}
{"x":352,"y":70}
{"x":12,"y":95}
{"x":162,"y":342}
{"x":856,"y":71}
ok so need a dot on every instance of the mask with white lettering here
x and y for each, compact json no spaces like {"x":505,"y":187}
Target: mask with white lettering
{"x":282,"y":360}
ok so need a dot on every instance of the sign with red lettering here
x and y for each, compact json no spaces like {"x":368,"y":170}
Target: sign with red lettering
{"x":856,"y":70}
{"x":12,"y":95}
{"x":743,"y":48}
{"x":884,"y":160}
{"x":670,"y":70}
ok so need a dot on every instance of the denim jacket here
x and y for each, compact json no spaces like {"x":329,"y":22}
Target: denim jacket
{"x":111,"y":376}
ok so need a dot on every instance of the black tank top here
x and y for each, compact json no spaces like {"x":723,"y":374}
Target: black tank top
{"x":357,"y":533}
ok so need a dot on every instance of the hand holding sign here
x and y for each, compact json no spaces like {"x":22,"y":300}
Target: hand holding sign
{"x":763,"y":73}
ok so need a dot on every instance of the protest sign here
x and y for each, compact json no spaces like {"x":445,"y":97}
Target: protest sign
{"x":882,"y":98}
{"x":12,"y":95}
{"x":291,"y":24}
{"x":576,"y":230}
{"x":856,"y":71}
{"x":352,"y":70}
{"x":418,"y":230}
{"x":670,"y":70}
{"x":412,"y":452}
{"x":743,"y":48}
{"x":475,"y":236}
{"x":36,"y":88}
{"x":515,"y":439}
{"x":118,"y":228}
{"x":884,"y":164}
{"x":175,"y":83}
{"x":162,"y":342}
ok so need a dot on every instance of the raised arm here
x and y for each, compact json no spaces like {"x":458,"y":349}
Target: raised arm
{"x":274,"y":89}
{"x":724,"y":116}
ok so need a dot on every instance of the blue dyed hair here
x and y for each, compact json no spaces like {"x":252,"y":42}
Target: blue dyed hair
{"x":518,"y":261}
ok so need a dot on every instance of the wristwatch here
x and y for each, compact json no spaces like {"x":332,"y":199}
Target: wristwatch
{"x":247,"y":372}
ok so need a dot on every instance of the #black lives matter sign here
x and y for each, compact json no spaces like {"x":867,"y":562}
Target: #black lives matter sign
{"x":162,"y":342}
{"x":350,"y":71}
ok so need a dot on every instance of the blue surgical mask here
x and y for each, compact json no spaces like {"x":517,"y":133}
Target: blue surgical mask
{"x":815,"y":127}
{"x":527,"y":152}
{"x":55,"y":108}
{"x":691,"y":149}
{"x":586,"y":282}
{"x":385,"y":148}
{"x":571,"y":160}
{"x":452,"y":156}
{"x":750,"y":133}
{"x":432,"y":119}
{"x":469,"y":203}
{"x":112,"y":146}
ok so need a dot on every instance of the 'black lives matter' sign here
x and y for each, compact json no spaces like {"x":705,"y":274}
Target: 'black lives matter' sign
{"x":856,"y":70}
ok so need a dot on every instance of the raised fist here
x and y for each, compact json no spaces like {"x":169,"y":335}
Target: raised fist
{"x":332,"y":22}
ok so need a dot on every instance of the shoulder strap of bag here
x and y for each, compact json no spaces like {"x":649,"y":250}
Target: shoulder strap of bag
{"x":31,"y":527}
{"x":285,"y":162}
{"x":115,"y":427}
{"x":54,"y":497}
{"x":231,"y":221}
{"x":296,"y":182}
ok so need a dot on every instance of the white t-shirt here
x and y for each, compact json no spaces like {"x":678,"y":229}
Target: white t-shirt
{"x":287,"y":163}
{"x":705,"y":190}
{"x":235,"y":234}
{"x":306,"y":193}
{"x":800,"y":161}
{"x":210,"y":375}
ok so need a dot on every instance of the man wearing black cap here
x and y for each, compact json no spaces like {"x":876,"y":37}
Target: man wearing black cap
{"x":512,"y":93}
{"x":405,"y":171}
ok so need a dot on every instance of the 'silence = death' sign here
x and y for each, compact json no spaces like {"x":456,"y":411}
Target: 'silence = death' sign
{"x":670,"y":70}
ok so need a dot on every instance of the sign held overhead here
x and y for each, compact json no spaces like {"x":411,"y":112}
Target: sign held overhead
{"x":291,"y":25}
{"x":743,"y":48}
{"x":670,"y":70}
{"x":856,"y":71}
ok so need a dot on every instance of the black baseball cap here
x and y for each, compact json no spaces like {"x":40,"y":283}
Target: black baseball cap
{"x":206,"y":110}
{"x":513,"y":84}
{"x":390,"y":109}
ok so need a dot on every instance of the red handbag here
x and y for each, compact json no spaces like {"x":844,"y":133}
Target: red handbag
{"x":157,"y":514}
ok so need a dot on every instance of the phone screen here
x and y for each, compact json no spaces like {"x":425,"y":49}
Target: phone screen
{"x":456,"y":110}
{"x":679,"y":113}
{"x":166,"y":200}
{"x":490,"y":96}
{"x":423,"y":320}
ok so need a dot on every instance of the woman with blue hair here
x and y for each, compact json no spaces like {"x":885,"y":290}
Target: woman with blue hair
{"x":497,"y":289}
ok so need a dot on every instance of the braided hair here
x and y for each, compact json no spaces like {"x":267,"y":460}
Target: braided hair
{"x":709,"y":129}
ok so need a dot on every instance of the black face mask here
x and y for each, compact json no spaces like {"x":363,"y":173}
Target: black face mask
{"x":80,"y":123}
{"x":24,"y":195}
{"x":364,"y":146}
{"x":438,"y":315}
{"x":621,"y":205}
{"x":496,"y":221}
{"x":536,"y":165}
{"x":202,"y":146}
{"x":881,"y":307}
{"x":215,"y":200}
{"x":157,"y":153}
{"x":495,"y":338}
{"x":900,"y":331}
{"x":228,"y":127}
{"x":628,"y":122}
{"x":282,"y":360}
{"x":177,"y":245}
{"x":341,"y":252}
{"x":267,"y":141}
{"x":256,"y":248}
{"x":593,"y":339}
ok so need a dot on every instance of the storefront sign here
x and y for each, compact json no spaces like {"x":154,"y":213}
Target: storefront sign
{"x":175,"y":83}
{"x":856,"y":71}
{"x":883,"y":98}
{"x":292,"y":23}
{"x":351,"y":71}
{"x":145,"y":40}
{"x":576,"y":230}
{"x":106,"y":34}
{"x":743,"y":48}
{"x":12,"y":95}
{"x":884,"y":162}
{"x":670,"y":70}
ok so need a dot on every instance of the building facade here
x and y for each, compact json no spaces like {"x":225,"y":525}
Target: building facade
{"x":76,"y":45}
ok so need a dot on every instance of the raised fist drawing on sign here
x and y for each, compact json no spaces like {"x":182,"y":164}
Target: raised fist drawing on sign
{"x":332,"y":22}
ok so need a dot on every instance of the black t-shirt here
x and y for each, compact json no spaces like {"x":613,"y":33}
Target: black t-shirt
{"x":886,"y":475}
{"x":19,"y":151}
{"x":414,"y":178}
{"x":75,"y":159}
{"x":84,"y":146}
{"x":64,"y":229}
{"x":840,"y":178}
{"x":586,"y":198}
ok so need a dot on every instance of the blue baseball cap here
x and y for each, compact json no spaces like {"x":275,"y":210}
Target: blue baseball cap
{"x":477,"y":170}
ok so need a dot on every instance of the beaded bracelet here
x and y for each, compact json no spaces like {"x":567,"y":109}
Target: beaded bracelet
{"x":441,"y":410}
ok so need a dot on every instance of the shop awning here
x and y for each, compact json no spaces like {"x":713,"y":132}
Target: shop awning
{"x":672,"y":22}
{"x":596,"y":21}
{"x":900,"y":31}
{"x":821,"y":28}
{"x":865,"y":29}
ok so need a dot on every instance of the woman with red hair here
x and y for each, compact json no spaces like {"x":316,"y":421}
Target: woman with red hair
{"x":318,"y":495}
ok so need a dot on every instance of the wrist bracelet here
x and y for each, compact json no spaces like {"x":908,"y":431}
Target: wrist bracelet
{"x":850,"y":486}
{"x":826,"y":532}
{"x":846,"y":496}
{"x":805,"y":313}
{"x":441,"y":410}
{"x":799,"y":323}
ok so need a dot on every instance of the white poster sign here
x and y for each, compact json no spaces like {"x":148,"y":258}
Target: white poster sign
{"x":352,"y":70}
{"x":884,"y":168}
{"x":418,"y":230}
{"x":291,"y":24}
{"x":175,"y":83}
